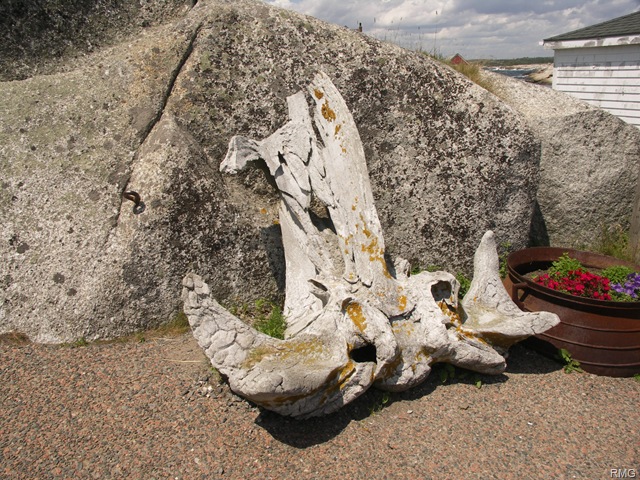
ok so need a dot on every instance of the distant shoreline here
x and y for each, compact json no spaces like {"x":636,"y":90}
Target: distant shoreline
{"x":540,"y":73}
{"x":513,"y":62}
{"x":523,"y":66}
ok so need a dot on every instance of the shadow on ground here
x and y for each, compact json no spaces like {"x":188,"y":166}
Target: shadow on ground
{"x":306,"y":433}
{"x":524,"y":359}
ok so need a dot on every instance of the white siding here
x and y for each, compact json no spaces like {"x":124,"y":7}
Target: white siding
{"x":607,"y":77}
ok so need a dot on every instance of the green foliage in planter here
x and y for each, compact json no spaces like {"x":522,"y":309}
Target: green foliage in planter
{"x":617,"y":273}
{"x":616,"y":283}
{"x":564,"y":265}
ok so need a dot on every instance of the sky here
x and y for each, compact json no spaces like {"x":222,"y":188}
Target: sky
{"x":474,"y":28}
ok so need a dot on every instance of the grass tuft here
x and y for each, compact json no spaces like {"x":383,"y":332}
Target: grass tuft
{"x":473,"y":71}
{"x":269,"y":319}
{"x":380,"y":403}
{"x":465,"y":283}
{"x":505,"y":250}
{"x":264,"y":315}
{"x":570,"y":365}
{"x":14,"y":338}
{"x":178,"y":325}
{"x":614,"y":241}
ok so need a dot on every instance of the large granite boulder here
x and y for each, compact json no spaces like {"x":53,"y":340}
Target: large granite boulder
{"x":43,"y":36}
{"x":588,"y":165}
{"x":154,"y":114}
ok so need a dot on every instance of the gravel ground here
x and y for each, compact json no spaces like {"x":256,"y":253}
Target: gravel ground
{"x":155,"y":410}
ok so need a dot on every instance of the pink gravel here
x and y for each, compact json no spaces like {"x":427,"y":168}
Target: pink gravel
{"x":155,"y":410}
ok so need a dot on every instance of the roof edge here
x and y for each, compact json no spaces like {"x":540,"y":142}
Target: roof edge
{"x":592,"y":42}
{"x":588,"y":31}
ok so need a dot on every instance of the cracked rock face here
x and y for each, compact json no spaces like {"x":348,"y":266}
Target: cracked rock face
{"x":358,"y":322}
{"x":154,"y":113}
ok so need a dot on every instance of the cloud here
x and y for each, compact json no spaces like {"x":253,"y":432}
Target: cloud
{"x":476,"y":29}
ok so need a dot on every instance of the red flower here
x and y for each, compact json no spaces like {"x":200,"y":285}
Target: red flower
{"x":577,"y":282}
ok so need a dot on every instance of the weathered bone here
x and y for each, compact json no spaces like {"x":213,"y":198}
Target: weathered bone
{"x":353,"y":321}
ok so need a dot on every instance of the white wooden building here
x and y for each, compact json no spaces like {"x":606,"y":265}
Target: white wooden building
{"x":600,"y":64}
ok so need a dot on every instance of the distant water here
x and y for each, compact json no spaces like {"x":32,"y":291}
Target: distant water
{"x":520,"y":74}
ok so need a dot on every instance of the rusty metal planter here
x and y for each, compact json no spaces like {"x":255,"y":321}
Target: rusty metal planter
{"x":603,"y":336}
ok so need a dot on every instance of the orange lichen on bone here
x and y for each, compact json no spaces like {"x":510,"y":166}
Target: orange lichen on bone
{"x":498,"y":340}
{"x":402,"y":302}
{"x":335,"y":381}
{"x":318,"y":94}
{"x":471,"y":335}
{"x":388,"y":370}
{"x":354,"y":310}
{"x":456,"y":320}
{"x":328,"y":114}
{"x":452,"y":314}
{"x":308,"y":349}
{"x":372,"y":249}
{"x":345,"y":374}
{"x":404,"y":328}
{"x":365,"y":230}
{"x":422,"y":355}
{"x":376,"y":254}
